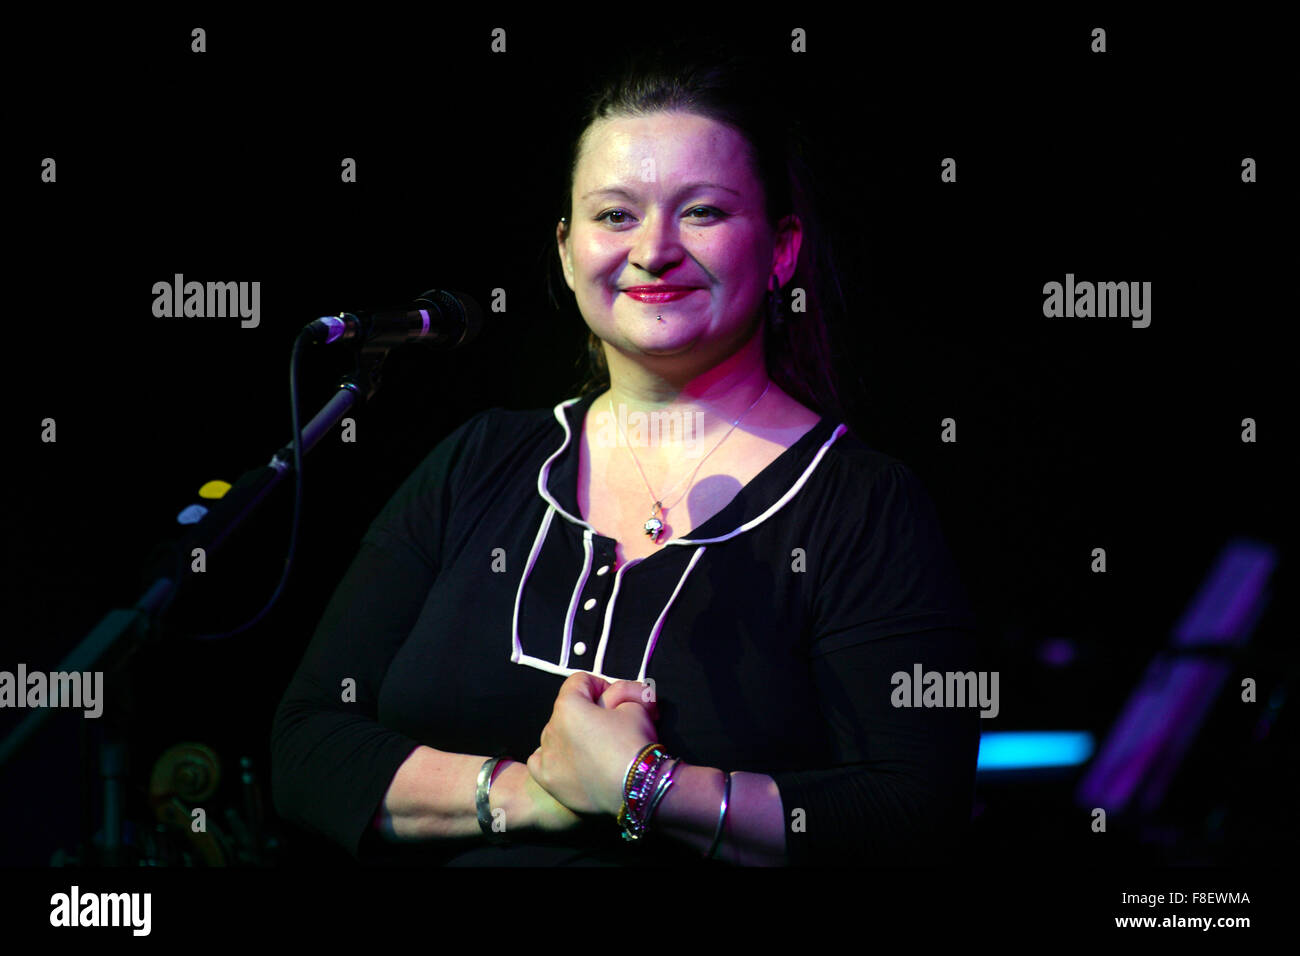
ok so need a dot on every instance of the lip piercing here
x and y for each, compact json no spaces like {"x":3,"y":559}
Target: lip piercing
{"x":660,"y":318}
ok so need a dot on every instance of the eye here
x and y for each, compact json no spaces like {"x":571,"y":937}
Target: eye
{"x":709,"y":210}
{"x":696,"y":213}
{"x":604,"y":216}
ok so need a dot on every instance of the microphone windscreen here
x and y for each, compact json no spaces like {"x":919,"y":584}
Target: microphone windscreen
{"x":457,"y":305}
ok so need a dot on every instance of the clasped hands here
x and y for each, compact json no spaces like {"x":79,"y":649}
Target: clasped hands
{"x":596,"y":728}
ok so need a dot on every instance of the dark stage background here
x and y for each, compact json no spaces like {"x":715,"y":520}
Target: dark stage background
{"x":1072,"y":433}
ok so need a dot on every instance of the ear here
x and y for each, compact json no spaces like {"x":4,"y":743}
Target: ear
{"x":785,"y":256}
{"x":562,"y":243}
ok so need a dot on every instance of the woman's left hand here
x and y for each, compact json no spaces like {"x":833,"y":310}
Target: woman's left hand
{"x":585,"y":747}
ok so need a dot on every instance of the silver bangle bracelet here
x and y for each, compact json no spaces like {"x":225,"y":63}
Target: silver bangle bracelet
{"x":662,"y":788}
{"x":481,"y":800}
{"x":722,"y":813}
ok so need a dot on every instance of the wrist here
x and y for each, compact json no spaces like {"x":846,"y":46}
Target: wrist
{"x":508,"y":793}
{"x":645,"y":782}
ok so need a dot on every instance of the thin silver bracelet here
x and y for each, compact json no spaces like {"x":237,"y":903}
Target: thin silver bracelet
{"x":662,"y":788}
{"x":722,"y":813}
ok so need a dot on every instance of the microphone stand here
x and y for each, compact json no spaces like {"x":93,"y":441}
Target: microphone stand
{"x":122,"y":632}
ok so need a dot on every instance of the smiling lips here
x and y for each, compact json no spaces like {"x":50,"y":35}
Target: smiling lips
{"x":659,"y":293}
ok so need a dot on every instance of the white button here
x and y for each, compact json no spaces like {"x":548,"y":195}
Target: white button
{"x":591,"y":602}
{"x":602,"y":569}
{"x":580,"y":648}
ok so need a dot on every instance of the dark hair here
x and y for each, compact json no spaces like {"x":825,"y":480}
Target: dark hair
{"x":740,"y":93}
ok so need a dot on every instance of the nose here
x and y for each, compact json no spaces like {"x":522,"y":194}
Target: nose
{"x":657,"y":246}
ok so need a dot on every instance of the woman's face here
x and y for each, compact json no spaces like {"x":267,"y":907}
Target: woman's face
{"x":670,"y":200}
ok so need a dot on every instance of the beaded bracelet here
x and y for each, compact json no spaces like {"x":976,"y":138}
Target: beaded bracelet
{"x":638,"y":785}
{"x":652,"y":790}
{"x":661,"y":788}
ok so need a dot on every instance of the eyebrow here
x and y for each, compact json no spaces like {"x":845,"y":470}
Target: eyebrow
{"x":689,"y":187}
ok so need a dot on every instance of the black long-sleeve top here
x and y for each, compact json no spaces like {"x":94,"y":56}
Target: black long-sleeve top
{"x":771,"y":634}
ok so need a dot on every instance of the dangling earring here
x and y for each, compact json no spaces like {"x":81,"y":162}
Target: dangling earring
{"x":775,"y":304}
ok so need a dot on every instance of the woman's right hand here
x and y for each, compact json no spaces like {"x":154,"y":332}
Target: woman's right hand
{"x":532,"y":805}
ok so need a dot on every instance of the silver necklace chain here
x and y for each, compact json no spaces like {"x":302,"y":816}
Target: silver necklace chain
{"x":654,"y":525}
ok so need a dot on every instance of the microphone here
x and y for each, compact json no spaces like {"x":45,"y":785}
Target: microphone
{"x":438,"y":318}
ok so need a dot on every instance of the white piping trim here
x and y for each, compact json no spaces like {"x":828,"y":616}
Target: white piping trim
{"x":516,"y":654}
{"x":516,"y":649}
{"x":551,"y":668}
{"x":567,"y":636}
{"x":609,"y":612}
{"x":781,"y":503}
{"x":545,"y":471}
{"x":654,"y":633}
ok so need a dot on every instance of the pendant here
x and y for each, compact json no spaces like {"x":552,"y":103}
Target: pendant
{"x":654,"y":526}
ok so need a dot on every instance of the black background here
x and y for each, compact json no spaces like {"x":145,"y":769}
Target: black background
{"x":1072,"y":434}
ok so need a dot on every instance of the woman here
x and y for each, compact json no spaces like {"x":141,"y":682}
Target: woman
{"x":736,"y":585}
